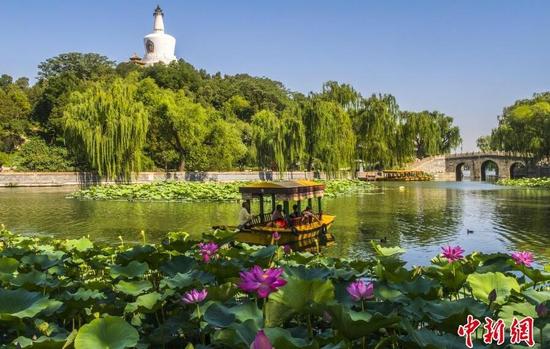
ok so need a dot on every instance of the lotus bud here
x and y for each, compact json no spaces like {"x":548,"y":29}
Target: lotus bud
{"x":542,"y":310}
{"x":493,"y":296}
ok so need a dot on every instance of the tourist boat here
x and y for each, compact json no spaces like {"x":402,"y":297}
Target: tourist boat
{"x":298,"y":230}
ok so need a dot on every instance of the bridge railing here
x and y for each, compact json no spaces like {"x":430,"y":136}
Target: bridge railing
{"x":491,"y":153}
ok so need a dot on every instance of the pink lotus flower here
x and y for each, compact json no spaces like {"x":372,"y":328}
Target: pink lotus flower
{"x":276,"y":236}
{"x":261,"y":341}
{"x":452,"y":253}
{"x":359,"y":290}
{"x":523,"y":258}
{"x":208,"y":250}
{"x":262,"y":282}
{"x":194,"y":296}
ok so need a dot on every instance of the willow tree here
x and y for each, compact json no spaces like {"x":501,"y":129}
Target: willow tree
{"x":294,"y":137}
{"x":268,"y":143}
{"x":376,"y":125}
{"x":106,"y":125}
{"x":422,"y":134}
{"x":330,"y":141}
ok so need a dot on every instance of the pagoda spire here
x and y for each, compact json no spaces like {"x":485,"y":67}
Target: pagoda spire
{"x":158,"y":24}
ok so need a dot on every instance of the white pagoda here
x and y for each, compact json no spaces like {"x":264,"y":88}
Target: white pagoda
{"x":159,"y":46}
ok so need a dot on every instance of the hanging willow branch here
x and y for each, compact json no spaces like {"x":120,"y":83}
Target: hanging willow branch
{"x":108,"y":127}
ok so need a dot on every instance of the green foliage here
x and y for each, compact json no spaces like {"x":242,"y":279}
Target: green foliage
{"x":36,"y":155}
{"x":82,"y":300}
{"x":107,"y":126}
{"x":483,"y":143}
{"x":330,"y":141}
{"x":198,"y":121}
{"x":527,"y":182}
{"x":15,"y":109}
{"x":524,"y":127}
{"x":108,"y":332}
{"x":84,"y":66}
{"x":196,"y":191}
{"x":430,"y":133}
{"x":376,"y":126}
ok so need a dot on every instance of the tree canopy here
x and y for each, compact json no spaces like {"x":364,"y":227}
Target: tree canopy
{"x":524,"y":127}
{"x":107,"y":125}
{"x":125,"y":118}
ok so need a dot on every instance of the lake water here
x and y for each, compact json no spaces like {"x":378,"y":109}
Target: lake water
{"x":420,"y":217}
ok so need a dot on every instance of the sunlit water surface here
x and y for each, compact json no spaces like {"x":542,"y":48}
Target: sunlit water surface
{"x":421,"y":218}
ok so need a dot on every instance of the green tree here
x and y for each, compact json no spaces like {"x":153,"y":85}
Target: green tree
{"x":262,"y":93}
{"x":84,"y":66}
{"x":36,"y":155}
{"x":58,"y":77}
{"x":268,"y":141}
{"x":294,"y":137}
{"x":376,"y":125}
{"x":428,"y":133}
{"x":524,"y":127}
{"x":484,"y":143}
{"x":14,"y":115}
{"x":178,"y":75}
{"x":343,"y":94}
{"x":107,"y":126}
{"x":330,"y":140}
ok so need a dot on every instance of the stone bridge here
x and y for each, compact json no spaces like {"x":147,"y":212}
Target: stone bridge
{"x":503,"y":163}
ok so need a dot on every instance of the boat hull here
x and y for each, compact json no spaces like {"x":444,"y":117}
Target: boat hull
{"x":263,"y":235}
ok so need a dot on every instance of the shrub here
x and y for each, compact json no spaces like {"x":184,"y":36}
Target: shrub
{"x":36,"y":155}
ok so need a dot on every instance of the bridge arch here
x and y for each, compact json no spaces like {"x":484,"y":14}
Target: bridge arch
{"x":458,"y":171}
{"x":516,"y":169}
{"x":489,"y":165}
{"x":460,"y":167}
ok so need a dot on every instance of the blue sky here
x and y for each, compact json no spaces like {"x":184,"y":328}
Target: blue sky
{"x":467,"y":59}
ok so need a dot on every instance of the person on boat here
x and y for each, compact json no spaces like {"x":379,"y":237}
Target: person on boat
{"x":295,"y":212}
{"x":295,"y":216}
{"x":277,"y":213}
{"x":308,"y":216}
{"x":244,"y":216}
{"x":278,"y":218}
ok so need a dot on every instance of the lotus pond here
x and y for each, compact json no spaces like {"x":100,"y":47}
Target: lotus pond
{"x":220,"y":294}
{"x":527,"y":182}
{"x":196,"y":191}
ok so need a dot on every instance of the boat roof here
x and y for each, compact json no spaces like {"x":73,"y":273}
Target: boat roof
{"x":284,"y":190}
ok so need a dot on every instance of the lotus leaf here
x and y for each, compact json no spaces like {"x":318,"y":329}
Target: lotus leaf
{"x":218,"y":315}
{"x":178,"y":264}
{"x":508,"y":311}
{"x":297,"y":296}
{"x":43,"y":261}
{"x":133,"y":288}
{"x":132,"y":270}
{"x":387,"y":251}
{"x":353,"y":324}
{"x":431,"y":340}
{"x":483,"y":284}
{"x":80,"y":245}
{"x":144,"y":303}
{"x":21,"y":304}
{"x":8,"y":265}
{"x":42,"y":342}
{"x":108,"y":332}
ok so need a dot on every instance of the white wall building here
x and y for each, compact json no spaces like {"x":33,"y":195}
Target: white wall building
{"x":159,"y":46}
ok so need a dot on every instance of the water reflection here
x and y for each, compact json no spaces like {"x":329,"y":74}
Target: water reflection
{"x":420,"y":217}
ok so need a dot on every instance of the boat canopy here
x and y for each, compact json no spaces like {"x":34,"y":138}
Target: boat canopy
{"x":283,"y":190}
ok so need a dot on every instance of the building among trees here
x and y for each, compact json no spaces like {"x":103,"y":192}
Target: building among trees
{"x":159,"y":46}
